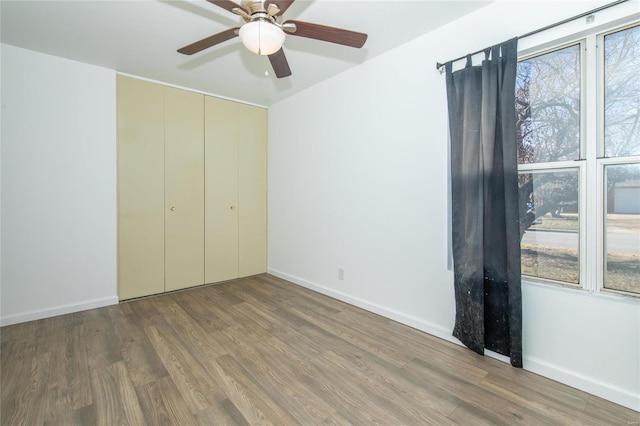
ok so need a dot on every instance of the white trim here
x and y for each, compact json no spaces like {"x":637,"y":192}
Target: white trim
{"x":583,"y":383}
{"x":495,"y":355}
{"x":630,"y":159}
{"x":587,"y":257}
{"x":600,"y":227}
{"x":402,"y":318}
{"x":58,"y":310}
{"x":188,"y":89}
{"x":556,"y":166}
{"x":610,"y":295}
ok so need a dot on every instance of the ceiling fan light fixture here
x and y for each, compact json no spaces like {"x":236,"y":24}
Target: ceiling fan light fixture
{"x":262,"y":38}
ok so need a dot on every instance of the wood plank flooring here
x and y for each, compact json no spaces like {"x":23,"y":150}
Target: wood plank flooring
{"x":260,"y":350}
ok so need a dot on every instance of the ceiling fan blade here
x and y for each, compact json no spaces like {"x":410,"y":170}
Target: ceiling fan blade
{"x":282,"y":4}
{"x":207,"y":42}
{"x":227,"y":4}
{"x":330,"y":34}
{"x":279,"y":63}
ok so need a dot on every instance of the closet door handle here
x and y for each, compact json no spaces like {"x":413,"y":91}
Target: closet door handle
{"x":173,"y":209}
{"x":233,"y":207}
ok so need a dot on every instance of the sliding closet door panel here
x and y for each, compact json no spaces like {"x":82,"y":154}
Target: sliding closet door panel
{"x":140,"y":188}
{"x":184,"y":189}
{"x":252,"y":147}
{"x":221,"y":188}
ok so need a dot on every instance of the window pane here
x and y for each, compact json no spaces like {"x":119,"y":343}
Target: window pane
{"x":548,"y":107}
{"x":622,"y":227}
{"x":550,"y":222}
{"x":622,"y":93}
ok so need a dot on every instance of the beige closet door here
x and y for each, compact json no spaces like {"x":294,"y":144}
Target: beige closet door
{"x":221,"y":189}
{"x":184,"y":189}
{"x":252,"y":154}
{"x":140,"y":115}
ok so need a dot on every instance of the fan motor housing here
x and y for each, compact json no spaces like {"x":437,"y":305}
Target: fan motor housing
{"x":253,"y":6}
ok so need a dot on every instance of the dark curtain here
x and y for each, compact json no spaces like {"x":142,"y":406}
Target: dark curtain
{"x":484,"y":202}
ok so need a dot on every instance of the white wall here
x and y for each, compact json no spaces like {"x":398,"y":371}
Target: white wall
{"x":58,"y":186}
{"x":358,"y":180}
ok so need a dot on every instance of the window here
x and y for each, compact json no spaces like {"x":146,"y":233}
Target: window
{"x":578,"y":136}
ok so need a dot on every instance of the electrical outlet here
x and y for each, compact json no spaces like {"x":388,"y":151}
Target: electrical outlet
{"x":341,"y":274}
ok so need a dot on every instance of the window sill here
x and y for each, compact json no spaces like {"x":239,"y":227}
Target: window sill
{"x":606,"y":294}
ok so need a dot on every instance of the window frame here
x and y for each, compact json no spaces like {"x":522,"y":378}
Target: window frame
{"x":601,"y":260}
{"x":563,"y":165}
{"x":559,"y":167}
{"x":591,"y":162}
{"x":601,"y":162}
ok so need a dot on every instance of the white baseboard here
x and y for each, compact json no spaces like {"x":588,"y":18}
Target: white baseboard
{"x":411,"y":321}
{"x":582,"y":382}
{"x":58,"y":310}
{"x":553,"y":372}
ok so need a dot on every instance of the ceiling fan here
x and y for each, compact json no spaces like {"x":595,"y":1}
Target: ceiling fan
{"x":263,"y":32}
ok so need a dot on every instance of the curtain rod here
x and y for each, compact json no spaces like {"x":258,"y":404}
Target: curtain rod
{"x":539,"y":30}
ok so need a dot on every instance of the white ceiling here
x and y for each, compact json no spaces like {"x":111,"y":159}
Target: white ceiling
{"x":140,"y":37}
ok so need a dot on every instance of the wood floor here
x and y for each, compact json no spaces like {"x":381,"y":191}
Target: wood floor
{"x":261,"y":350}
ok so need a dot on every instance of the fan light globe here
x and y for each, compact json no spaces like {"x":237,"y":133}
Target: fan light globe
{"x":262,"y":38}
